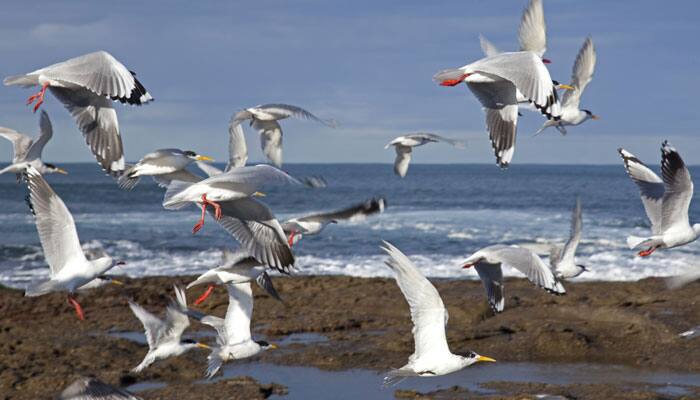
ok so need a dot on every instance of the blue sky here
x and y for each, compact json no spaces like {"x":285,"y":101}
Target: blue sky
{"x":367,"y":64}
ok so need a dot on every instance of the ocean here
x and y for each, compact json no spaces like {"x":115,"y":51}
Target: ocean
{"x":438,"y":215}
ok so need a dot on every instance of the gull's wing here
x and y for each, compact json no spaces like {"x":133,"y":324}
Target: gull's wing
{"x":240,"y":117}
{"x":651,"y":187}
{"x":97,"y":120}
{"x":237,"y":148}
{"x":487,"y":47}
{"x":491,"y":276}
{"x":20,"y":143}
{"x":255,"y":176}
{"x":239,"y":313}
{"x":208,"y":169}
{"x":270,"y":140}
{"x":437,"y":138}
{"x":533,"y":31}
{"x":54,"y":223}
{"x":355,"y":212}
{"x":152,"y":325}
{"x":182,"y":175}
{"x":501,"y":106}
{"x":678,"y":189}
{"x":581,"y":75}
{"x":176,"y":320}
{"x":34,"y":151}
{"x":101,"y":74}
{"x":403,"y":159}
{"x":285,"y":110}
{"x":255,"y":227}
{"x":94,"y":389}
{"x":427,"y":310}
{"x":529,"y":264}
{"x":569,"y":250}
{"x":265,"y":282}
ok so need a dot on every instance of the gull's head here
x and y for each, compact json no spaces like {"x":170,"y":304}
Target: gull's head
{"x":193,"y":344}
{"x":196,"y":157}
{"x":265,"y":345}
{"x":471,"y":357}
{"x":52,"y":169}
{"x":590,"y":115}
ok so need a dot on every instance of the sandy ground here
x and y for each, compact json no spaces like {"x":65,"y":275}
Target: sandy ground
{"x":43,"y":347}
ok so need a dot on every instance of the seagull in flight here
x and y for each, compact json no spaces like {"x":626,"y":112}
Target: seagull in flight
{"x":164,"y":165}
{"x":581,"y":76}
{"x":87,"y":85}
{"x":488,"y":262}
{"x":432,"y":355}
{"x":532,"y":33}
{"x":70,"y":270}
{"x":263,"y":118}
{"x":27,"y":151}
{"x":666,"y":201}
{"x":404,"y":147}
{"x":164,"y":336}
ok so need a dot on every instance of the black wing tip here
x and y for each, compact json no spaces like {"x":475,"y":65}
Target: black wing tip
{"x":138,"y":96}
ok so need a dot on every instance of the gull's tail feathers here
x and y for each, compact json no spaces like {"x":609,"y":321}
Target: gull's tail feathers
{"x":448,"y":75}
{"x":395,"y":376}
{"x":21,"y":80}
{"x":170,"y":199}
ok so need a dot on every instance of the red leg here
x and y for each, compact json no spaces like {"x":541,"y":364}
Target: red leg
{"x":453,"y":82}
{"x":647,"y":252}
{"x":204,"y":295}
{"x":290,"y":241}
{"x":78,"y":309}
{"x":217,"y":209}
{"x":200,"y":224}
{"x":38,"y":97}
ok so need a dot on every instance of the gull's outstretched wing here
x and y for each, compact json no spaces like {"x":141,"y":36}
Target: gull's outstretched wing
{"x":488,"y":47}
{"x":678,"y":190}
{"x":94,"y":389}
{"x":270,"y":140}
{"x":569,"y":250}
{"x":427,"y":310}
{"x":34,"y":151}
{"x":237,"y":148}
{"x":491,"y":276}
{"x":533,"y":31}
{"x":403,"y":159}
{"x":355,"y":212}
{"x":581,"y":75}
{"x":529,"y":264}
{"x":651,"y":187}
{"x":54,"y":223}
{"x":239,"y":313}
{"x":285,"y":110}
{"x":20,"y":143}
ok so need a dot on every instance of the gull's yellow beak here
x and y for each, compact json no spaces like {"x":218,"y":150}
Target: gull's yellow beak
{"x":259,"y":194}
{"x":567,"y":87}
{"x":273,"y":346}
{"x":116,"y":282}
{"x":203,"y":346}
{"x":204,"y":158}
{"x":484,"y":358}
{"x":61,"y":171}
{"x":595,"y":117}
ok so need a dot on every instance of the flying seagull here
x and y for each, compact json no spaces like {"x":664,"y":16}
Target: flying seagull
{"x":432,"y":356}
{"x":488,"y":261}
{"x":532,"y":33}
{"x":497,"y":82}
{"x":27,"y":151}
{"x":263,"y":118}
{"x":580,"y":78}
{"x":404,"y":147}
{"x":164,"y":165}
{"x":69,"y":268}
{"x":164,"y":336}
{"x":94,"y":389}
{"x":87,"y":85}
{"x":234,"y":341}
{"x":313,"y":224}
{"x":666,"y":201}
{"x":236,"y":267}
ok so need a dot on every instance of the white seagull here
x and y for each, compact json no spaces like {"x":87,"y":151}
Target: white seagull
{"x":488,"y":261}
{"x":94,"y":389}
{"x":666,"y":201}
{"x":164,"y":336}
{"x":532,"y":33}
{"x":27,"y":151}
{"x":69,"y":268}
{"x":87,"y":85}
{"x":263,"y":118}
{"x":562,"y":257}
{"x":236,"y":267}
{"x":313,"y":224}
{"x":496,"y":82}
{"x":404,"y":147}
{"x":580,"y":77}
{"x":164,"y":165}
{"x":432,"y":355}
{"x":234,"y":341}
